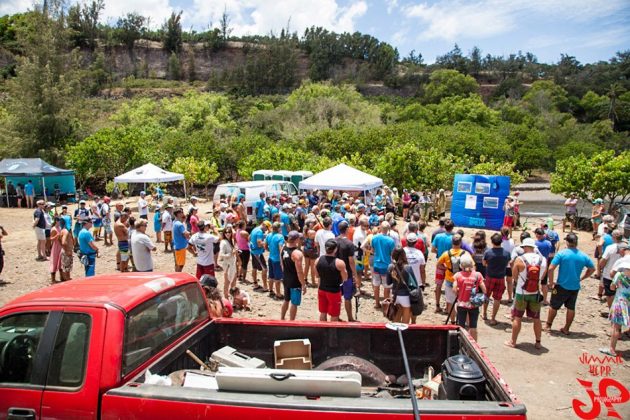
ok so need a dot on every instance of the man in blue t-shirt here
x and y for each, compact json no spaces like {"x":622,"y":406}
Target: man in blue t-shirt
{"x":274,"y":243}
{"x":257,"y":249}
{"x":546,"y":248}
{"x":260,"y":208}
{"x":570,"y":263}
{"x":88,"y":248}
{"x":443,"y":241}
{"x":180,"y":239}
{"x":285,"y":220}
{"x":382,"y":246}
{"x":29,"y":192}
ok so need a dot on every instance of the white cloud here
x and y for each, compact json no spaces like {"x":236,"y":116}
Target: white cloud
{"x":391,"y":6}
{"x":453,"y":20}
{"x":262,"y":16}
{"x":157,"y":10}
{"x":9,"y":7}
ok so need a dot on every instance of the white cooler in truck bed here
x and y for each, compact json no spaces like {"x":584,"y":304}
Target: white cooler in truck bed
{"x":291,"y":382}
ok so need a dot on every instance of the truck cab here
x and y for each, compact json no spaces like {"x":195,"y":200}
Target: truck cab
{"x":62,"y":347}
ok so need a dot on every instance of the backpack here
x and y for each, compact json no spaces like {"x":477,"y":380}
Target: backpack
{"x":455,"y":268}
{"x":532,"y":276}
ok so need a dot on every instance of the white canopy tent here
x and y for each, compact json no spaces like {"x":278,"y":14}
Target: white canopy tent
{"x":343,"y":178}
{"x":149,"y":173}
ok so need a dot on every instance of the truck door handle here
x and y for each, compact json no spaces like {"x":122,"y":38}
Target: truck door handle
{"x":21,"y":414}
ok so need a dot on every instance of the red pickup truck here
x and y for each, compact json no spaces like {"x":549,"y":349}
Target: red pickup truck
{"x":80,"y":350}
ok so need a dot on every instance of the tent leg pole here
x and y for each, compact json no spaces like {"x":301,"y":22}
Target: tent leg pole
{"x":185,"y":193}
{"x":44,"y":188}
{"x":6,"y":189}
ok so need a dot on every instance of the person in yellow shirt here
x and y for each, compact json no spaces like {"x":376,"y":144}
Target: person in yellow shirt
{"x":450,"y":262}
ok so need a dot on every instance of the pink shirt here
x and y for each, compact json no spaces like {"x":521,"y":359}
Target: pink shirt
{"x":193,"y":224}
{"x":241,"y":242}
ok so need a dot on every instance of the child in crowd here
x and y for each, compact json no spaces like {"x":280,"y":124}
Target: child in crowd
{"x":240,"y":299}
{"x":619,"y":316}
{"x":157,"y":223}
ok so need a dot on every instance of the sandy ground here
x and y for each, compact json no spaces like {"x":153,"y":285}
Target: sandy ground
{"x":545,"y":380}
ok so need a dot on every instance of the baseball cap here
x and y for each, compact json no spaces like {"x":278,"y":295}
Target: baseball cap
{"x":168,"y":206}
{"x":529,"y":242}
{"x":285,"y":206}
{"x":158,"y":206}
{"x":64,"y":206}
{"x":106,"y":199}
{"x":267,"y":223}
{"x":624,"y":265}
{"x":194,"y":198}
{"x":412,"y":237}
{"x":571,"y":238}
{"x":208,"y":280}
{"x":143,"y":193}
{"x":330,"y":245}
{"x":82,"y":202}
{"x":293,"y":235}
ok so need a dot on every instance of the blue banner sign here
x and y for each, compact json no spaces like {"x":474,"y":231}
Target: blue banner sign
{"x":478,"y":200}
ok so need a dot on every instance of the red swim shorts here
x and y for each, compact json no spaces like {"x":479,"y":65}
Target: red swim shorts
{"x":329,"y":302}
{"x":495,"y":287}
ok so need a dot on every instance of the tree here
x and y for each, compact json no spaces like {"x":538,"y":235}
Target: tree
{"x":130,"y":28}
{"x":453,"y":60}
{"x":172,"y":33}
{"x":83,"y":23}
{"x":196,"y":171}
{"x":602,"y":176}
{"x":490,"y":167}
{"x":224,"y":26}
{"x":410,"y":167}
{"x":545,"y":96}
{"x":174,"y":67}
{"x":47,"y":85}
{"x":445,"y":83}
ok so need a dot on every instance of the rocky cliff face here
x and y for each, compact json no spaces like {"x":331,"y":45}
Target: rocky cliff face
{"x":149,"y":59}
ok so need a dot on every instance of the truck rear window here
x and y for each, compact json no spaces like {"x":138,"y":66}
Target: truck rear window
{"x":158,"y":322}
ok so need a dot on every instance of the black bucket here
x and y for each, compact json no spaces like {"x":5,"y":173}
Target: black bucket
{"x":462,"y":379}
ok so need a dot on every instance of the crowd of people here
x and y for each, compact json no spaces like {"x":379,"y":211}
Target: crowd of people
{"x":341,"y":247}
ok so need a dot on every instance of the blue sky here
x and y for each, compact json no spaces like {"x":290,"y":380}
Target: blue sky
{"x":590,"y":30}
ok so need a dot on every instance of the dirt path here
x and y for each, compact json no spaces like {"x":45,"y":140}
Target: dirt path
{"x":546,"y":380}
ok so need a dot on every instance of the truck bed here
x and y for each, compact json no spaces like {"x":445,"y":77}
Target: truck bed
{"x":425,"y":346}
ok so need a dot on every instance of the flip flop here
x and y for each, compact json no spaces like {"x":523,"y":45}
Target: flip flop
{"x":565,"y":332}
{"x":509,"y":344}
{"x":607,"y":351}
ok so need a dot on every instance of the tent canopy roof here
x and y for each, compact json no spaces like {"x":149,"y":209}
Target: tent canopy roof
{"x":148,"y":173}
{"x":341,"y":177}
{"x":30,"y":167}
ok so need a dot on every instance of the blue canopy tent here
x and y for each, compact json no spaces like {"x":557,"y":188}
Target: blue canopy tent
{"x":46,"y":177}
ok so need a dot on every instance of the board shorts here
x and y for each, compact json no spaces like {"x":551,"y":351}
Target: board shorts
{"x":40,"y":234}
{"x":47,"y":233}
{"x":123,"y":249}
{"x":597,"y":220}
{"x":508,"y":221}
{"x":495,"y":287}
{"x":526,"y":303}
{"x":311,"y":253}
{"x":293,"y":295}
{"x":258,"y":262}
{"x":144,"y":216}
{"x":470,"y":314}
{"x":359,"y":266}
{"x":348,"y":289}
{"x":329,"y":302}
{"x":168,"y":236}
{"x":204,"y":269}
{"x":108,"y":227}
{"x":67,"y":261}
{"x":379,"y":278}
{"x":440,"y":275}
{"x":243,"y":256}
{"x":180,"y":257}
{"x":607,"y":283}
{"x":403,"y":301}
{"x":274,"y":270}
{"x":570,"y":216}
{"x":561,"y":296}
{"x":449,"y":294}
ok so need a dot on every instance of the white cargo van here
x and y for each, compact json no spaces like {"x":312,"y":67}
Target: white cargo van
{"x":252,"y":190}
